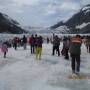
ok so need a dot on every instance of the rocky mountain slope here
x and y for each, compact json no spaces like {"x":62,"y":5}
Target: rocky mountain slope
{"x":78,"y":23}
{"x":8,"y":25}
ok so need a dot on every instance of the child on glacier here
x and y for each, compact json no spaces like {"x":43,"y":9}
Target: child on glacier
{"x":4,"y":49}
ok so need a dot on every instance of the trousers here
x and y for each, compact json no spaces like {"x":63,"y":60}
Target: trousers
{"x":38,"y":52}
{"x":75,"y":62}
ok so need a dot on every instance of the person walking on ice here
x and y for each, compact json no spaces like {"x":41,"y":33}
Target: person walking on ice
{"x":56,"y":44}
{"x":32,"y":43}
{"x":87,"y":43}
{"x":4,"y":49}
{"x":39,"y":47}
{"x":24,"y":40}
{"x":75,"y":51}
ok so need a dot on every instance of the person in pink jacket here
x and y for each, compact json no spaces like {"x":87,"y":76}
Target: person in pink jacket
{"x":4,"y":49}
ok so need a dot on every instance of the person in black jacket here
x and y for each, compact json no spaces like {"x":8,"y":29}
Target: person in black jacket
{"x":65,"y":48}
{"x":24,"y":41}
{"x":56,"y":44}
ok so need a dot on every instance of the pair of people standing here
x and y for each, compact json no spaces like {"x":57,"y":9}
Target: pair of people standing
{"x":33,"y":43}
{"x":36,"y":45}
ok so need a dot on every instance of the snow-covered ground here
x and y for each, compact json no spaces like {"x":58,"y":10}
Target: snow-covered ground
{"x":21,"y":71}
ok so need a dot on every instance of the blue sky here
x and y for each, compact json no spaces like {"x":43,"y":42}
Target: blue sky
{"x":41,"y":12}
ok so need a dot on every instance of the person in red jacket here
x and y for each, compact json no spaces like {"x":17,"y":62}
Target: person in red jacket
{"x":32,"y":43}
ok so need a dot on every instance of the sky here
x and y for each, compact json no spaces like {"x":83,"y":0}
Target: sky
{"x":41,"y":13}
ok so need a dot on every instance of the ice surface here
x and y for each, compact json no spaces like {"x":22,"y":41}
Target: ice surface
{"x":21,"y":71}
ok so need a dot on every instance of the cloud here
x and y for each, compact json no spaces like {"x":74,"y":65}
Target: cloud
{"x":70,"y":6}
{"x":17,"y":11}
{"x":1,"y":7}
{"x":26,"y":2}
{"x":41,"y":12}
{"x":59,"y":8}
{"x":51,"y":9}
{"x":84,"y":2}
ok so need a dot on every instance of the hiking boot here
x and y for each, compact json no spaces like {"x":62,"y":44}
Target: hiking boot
{"x":73,"y":72}
{"x":77,"y":73}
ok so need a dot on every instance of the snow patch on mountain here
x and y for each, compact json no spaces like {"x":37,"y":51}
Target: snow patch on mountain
{"x":86,"y":8}
{"x":87,"y":11}
{"x":82,"y":25}
{"x":62,"y":29}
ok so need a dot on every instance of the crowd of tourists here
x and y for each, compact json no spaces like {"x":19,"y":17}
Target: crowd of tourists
{"x":71,"y":47}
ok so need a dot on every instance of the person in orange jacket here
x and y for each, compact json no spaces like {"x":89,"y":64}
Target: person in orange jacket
{"x":75,"y":51}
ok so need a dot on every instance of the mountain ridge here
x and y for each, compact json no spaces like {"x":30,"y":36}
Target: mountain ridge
{"x":8,"y":25}
{"x":79,"y":19}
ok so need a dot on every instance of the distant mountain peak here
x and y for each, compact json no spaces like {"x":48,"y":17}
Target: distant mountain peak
{"x":86,"y":8}
{"x":8,"y":25}
{"x":10,"y":19}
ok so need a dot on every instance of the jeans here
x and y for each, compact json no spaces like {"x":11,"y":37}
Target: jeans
{"x":75,"y":62}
